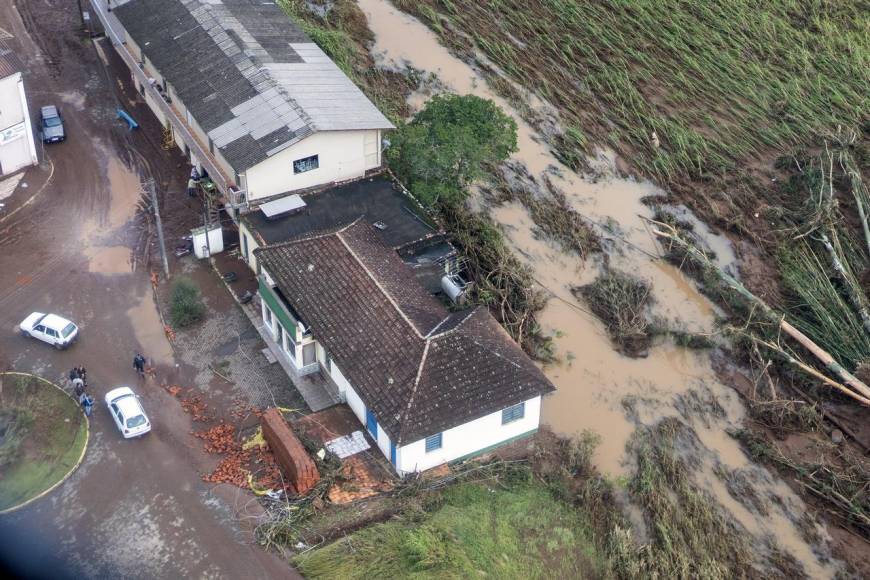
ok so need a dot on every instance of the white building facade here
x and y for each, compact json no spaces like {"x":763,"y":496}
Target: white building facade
{"x":17,"y":147}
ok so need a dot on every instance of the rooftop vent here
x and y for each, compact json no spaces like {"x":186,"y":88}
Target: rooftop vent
{"x":281,"y":207}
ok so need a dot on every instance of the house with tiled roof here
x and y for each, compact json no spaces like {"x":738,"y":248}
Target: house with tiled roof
{"x":242,"y":91}
{"x":429,"y":385}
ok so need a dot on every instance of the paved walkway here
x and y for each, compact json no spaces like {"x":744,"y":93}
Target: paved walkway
{"x":318,"y":391}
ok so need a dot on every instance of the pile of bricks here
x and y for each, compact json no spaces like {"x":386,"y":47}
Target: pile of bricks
{"x":289,"y":451}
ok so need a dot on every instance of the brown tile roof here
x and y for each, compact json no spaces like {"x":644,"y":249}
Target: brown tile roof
{"x":9,"y":61}
{"x":418,"y":367}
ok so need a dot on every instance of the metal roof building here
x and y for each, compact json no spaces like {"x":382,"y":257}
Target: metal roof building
{"x":250,"y":79}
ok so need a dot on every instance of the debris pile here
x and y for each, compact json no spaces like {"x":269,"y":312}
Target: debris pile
{"x":196,"y":407}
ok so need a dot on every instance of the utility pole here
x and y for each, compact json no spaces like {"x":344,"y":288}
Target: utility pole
{"x":153,"y":191}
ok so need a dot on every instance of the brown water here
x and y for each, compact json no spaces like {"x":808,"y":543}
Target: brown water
{"x":108,"y":260}
{"x":126,"y":191}
{"x":594,"y":381}
{"x":149,"y":331}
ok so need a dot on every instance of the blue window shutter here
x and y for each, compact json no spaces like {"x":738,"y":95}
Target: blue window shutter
{"x":393,"y":453}
{"x":514,"y":413}
{"x":372,"y":423}
{"x":434,"y":442}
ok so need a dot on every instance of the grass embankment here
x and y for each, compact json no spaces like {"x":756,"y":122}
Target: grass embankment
{"x":42,"y":434}
{"x":553,"y":516}
{"x":515,"y":532}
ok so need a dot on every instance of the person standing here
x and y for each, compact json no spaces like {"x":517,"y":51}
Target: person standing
{"x":79,"y":387}
{"x":139,"y":364}
{"x":87,"y":404}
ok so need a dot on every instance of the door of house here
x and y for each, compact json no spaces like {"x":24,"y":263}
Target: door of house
{"x":393,"y":453}
{"x":372,"y":424}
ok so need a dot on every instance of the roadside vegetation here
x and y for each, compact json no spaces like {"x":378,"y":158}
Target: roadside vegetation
{"x":185,"y":303}
{"x":42,"y":435}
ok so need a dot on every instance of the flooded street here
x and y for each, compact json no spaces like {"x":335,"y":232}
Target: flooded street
{"x":598,"y":388}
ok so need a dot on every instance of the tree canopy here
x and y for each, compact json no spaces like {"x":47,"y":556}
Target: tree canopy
{"x":447,"y":144}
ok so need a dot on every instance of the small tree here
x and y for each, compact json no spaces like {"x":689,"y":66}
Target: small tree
{"x":447,"y":145}
{"x":186,"y":305}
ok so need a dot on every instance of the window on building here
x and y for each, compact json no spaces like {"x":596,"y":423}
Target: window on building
{"x":289,"y":345}
{"x":433,"y":442}
{"x":306,"y":164}
{"x":514,"y":413}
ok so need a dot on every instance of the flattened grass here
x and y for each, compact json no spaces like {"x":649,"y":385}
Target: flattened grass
{"x":718,"y":83}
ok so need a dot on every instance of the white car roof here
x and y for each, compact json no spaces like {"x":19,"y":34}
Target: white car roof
{"x":54,"y":321}
{"x":129,"y":406}
{"x":126,"y":400}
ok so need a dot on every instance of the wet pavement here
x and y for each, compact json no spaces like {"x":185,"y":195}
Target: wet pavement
{"x":72,"y":242}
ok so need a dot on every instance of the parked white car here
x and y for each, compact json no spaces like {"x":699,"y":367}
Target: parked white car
{"x":51,"y":328}
{"x":125,"y":409}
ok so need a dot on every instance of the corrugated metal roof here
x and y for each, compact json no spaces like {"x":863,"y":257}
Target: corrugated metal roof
{"x":250,"y":77}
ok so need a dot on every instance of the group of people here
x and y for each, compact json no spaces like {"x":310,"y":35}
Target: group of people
{"x":79,"y":378}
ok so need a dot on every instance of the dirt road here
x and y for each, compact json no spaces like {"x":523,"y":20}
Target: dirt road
{"x":137,"y":508}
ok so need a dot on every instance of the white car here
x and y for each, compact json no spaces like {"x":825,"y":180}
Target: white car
{"x":50,"y":328}
{"x":125,"y":409}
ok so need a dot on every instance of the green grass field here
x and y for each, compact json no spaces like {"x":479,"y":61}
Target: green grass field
{"x":521,"y":532}
{"x":37,"y":449}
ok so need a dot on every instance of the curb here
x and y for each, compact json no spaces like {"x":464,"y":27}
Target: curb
{"x":77,"y":463}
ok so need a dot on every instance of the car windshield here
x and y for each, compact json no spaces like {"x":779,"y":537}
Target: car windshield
{"x":52,"y":122}
{"x":67,"y":330}
{"x":136,"y":421}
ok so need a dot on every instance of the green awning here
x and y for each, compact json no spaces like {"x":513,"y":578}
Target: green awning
{"x":274,"y":304}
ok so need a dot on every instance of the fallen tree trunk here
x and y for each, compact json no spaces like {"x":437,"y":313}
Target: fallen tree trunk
{"x":859,"y":391}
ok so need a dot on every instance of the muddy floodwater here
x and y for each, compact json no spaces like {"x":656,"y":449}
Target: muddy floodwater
{"x":598,"y":388}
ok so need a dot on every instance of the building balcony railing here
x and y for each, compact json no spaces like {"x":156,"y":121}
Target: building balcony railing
{"x":113,"y":31}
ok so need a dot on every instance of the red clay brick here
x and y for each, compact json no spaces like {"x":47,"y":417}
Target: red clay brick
{"x":288,"y":451}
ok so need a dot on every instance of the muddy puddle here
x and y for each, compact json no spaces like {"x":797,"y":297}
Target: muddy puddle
{"x":108,"y":260}
{"x":149,"y":331}
{"x":597,"y":388}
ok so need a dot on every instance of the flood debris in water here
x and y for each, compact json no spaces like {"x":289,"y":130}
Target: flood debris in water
{"x":621,"y":302}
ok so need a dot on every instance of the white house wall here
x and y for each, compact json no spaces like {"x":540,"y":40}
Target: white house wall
{"x":461,"y":441}
{"x":467,"y":439}
{"x":252,"y":245}
{"x":16,"y":141}
{"x":341,"y":156}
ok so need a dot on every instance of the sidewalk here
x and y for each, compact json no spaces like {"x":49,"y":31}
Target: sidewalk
{"x":318,"y":390}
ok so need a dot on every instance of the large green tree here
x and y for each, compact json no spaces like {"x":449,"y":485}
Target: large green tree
{"x":447,"y":144}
